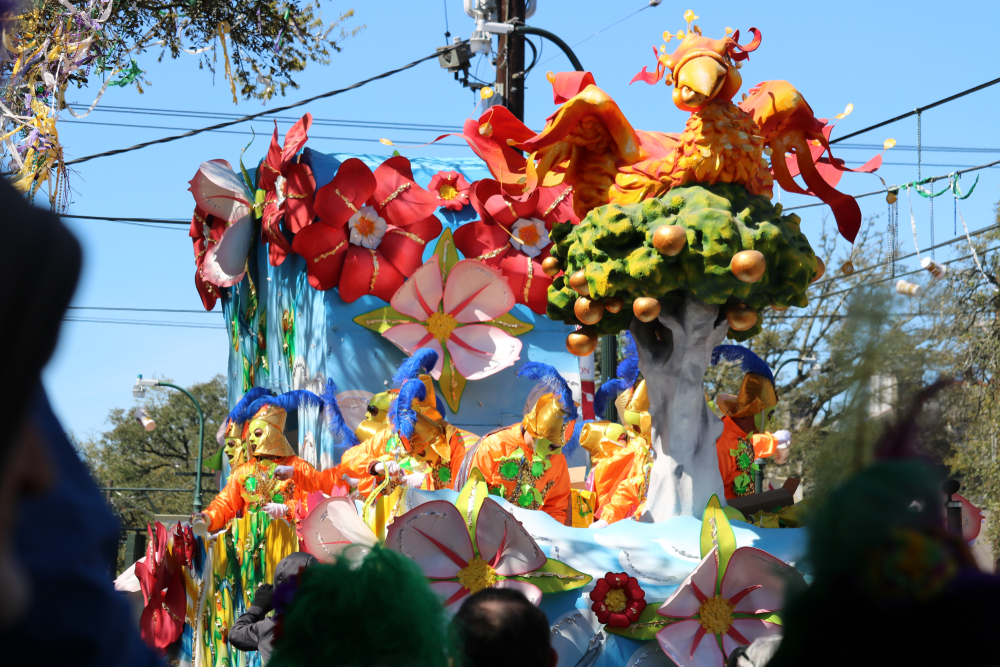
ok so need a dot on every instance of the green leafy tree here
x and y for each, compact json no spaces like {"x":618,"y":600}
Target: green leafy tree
{"x":127,"y":455}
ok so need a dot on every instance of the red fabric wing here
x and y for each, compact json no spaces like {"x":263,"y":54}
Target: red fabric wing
{"x":271,"y":166}
{"x":355,"y":182}
{"x":300,"y":189}
{"x":568,"y":84}
{"x":556,"y":205}
{"x":295,"y":138}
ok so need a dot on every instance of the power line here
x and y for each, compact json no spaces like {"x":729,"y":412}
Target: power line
{"x":934,"y":149}
{"x":932,"y":179}
{"x":148,"y":310}
{"x":243,"y":119}
{"x":905,"y":257}
{"x":917,"y":111}
{"x":607,"y":27}
{"x":241,"y":132}
{"x":331,"y":122}
{"x":176,"y":325}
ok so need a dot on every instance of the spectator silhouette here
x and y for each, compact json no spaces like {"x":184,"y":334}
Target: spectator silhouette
{"x":498,"y":627}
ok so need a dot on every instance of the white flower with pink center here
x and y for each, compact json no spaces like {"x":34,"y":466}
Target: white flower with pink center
{"x":530,"y":236}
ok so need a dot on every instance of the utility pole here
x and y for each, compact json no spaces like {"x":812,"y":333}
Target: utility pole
{"x":510,"y":59}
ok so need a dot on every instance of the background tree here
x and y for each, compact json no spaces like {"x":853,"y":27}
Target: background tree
{"x":128,"y":456}
{"x":50,"y":45}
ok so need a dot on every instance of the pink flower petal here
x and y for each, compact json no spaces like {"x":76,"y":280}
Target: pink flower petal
{"x":450,"y":592}
{"x":749,"y":566}
{"x":476,"y":293}
{"x":443,"y":522}
{"x":684,"y":602}
{"x":750,"y":629}
{"x":677,"y":639}
{"x":520,"y":552}
{"x":480,"y":350}
{"x":530,"y":591}
{"x":225,"y":262}
{"x":410,"y":337}
{"x":420,"y":295}
{"x":219,"y":191}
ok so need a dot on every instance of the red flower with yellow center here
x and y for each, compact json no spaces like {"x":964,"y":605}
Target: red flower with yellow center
{"x":451,"y":188}
{"x":618,"y":600}
{"x":289,"y":188}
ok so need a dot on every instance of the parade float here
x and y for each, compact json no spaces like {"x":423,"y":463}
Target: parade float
{"x":333,"y":269}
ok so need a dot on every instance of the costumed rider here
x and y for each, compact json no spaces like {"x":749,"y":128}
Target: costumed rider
{"x":621,"y":480}
{"x":746,"y":422}
{"x":235,"y":434}
{"x":418,"y":449}
{"x":524,"y":463}
{"x":253,"y":486}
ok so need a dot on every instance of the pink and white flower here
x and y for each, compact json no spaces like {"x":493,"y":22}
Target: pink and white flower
{"x":220,"y":193}
{"x":436,"y":537}
{"x":367,"y":227}
{"x":457,"y":317}
{"x":732,"y":612}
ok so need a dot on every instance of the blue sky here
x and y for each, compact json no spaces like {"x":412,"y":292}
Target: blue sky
{"x":886,"y":58}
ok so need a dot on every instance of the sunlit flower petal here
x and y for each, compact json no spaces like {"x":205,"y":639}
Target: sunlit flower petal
{"x":480,"y":350}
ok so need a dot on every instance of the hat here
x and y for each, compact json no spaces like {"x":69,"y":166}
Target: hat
{"x":418,"y":429}
{"x":757,"y":389}
{"x":554,"y":414}
{"x":632,"y":400}
{"x":271,"y":412}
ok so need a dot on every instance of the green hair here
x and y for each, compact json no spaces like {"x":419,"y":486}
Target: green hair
{"x":369,"y":612}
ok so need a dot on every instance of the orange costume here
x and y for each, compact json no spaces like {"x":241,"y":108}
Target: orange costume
{"x":746,"y":448}
{"x":514,"y":472}
{"x":629,"y":498}
{"x":435,"y":449}
{"x":253,"y":485}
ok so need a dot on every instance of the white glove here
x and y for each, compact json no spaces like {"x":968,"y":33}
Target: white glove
{"x":276,"y":510}
{"x":600,"y":523}
{"x":414,"y":479}
{"x":284,"y":472}
{"x":199,"y":525}
{"x":389,"y":467}
{"x":783,"y":437}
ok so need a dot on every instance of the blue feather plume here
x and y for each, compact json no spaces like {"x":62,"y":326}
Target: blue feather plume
{"x":749,"y":362}
{"x":606,"y":395}
{"x":574,"y":442}
{"x":402,"y":416}
{"x":335,"y":423}
{"x":628,"y":367}
{"x":248,"y":398}
{"x":422,"y":361}
{"x":440,"y":404}
{"x":290,"y":400}
{"x":549,"y":377}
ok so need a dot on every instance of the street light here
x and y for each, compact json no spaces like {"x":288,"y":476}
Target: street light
{"x":139,"y":391}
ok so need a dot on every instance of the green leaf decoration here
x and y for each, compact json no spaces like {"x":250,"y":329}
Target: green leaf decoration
{"x":508,"y":470}
{"x":555,"y":577}
{"x":247,"y":374}
{"x":525,"y":499}
{"x":215,"y":462}
{"x":243,"y":170}
{"x":511,"y":325}
{"x":250,"y":484}
{"x":537,"y":469}
{"x":452,"y":384}
{"x":382,"y":319}
{"x":768,"y":617}
{"x":444,"y":474}
{"x":734,"y":514}
{"x":716,"y":531}
{"x":447,"y":253}
{"x":648,"y":624}
{"x":470,"y":499}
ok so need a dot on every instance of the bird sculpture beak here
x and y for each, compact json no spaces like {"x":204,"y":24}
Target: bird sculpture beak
{"x":699,"y":79}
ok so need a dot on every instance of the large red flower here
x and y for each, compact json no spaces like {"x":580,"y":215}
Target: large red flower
{"x":618,"y":600}
{"x":205,"y":230}
{"x":451,"y":188}
{"x":162,"y":586}
{"x":289,"y":188}
{"x":512,"y":235}
{"x":370,"y":232}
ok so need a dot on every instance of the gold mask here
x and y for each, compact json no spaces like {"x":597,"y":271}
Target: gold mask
{"x":756,"y":395}
{"x":234,"y":449}
{"x":633,"y":406}
{"x":270,"y":421}
{"x":427,"y":434}
{"x":547,"y":420}
{"x":600,"y":438}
